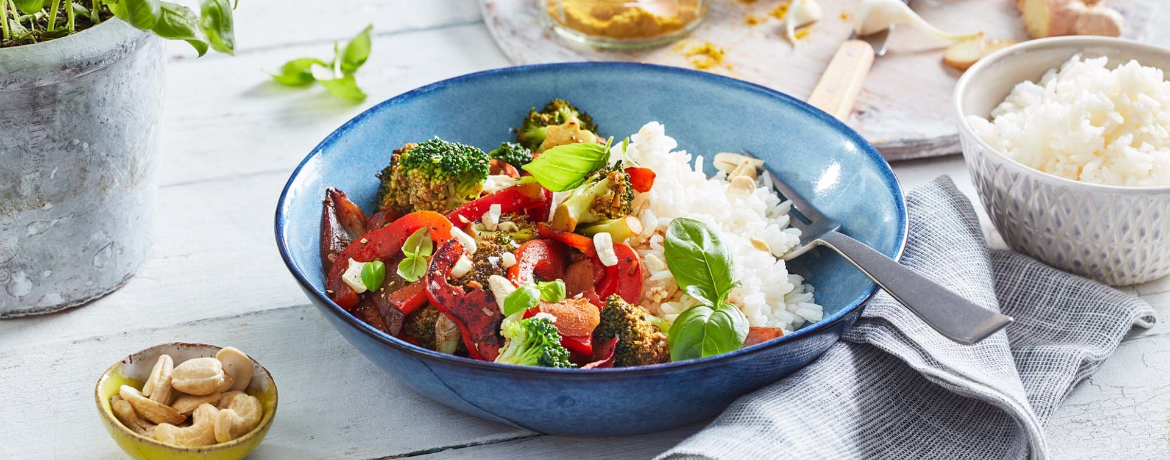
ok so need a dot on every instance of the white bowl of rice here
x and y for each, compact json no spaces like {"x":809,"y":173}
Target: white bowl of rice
{"x":1068,"y":143}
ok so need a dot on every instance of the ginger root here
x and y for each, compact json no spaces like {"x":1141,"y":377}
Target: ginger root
{"x":1050,"y":18}
{"x":964,"y":54}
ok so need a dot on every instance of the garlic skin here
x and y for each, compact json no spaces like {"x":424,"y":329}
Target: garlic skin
{"x":801,"y":13}
{"x":874,"y":16}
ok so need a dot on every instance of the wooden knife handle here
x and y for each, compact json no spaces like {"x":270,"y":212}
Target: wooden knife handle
{"x":842,"y":80}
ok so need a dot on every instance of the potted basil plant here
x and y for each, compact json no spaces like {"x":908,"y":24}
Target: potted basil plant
{"x":81,"y":84}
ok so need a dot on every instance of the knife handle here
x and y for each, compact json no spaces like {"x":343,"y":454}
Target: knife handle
{"x":842,"y":80}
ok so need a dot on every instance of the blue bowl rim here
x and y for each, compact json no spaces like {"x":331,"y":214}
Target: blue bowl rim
{"x":420,"y":352}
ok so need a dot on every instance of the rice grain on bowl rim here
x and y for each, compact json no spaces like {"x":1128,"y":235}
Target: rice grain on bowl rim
{"x":768,"y":295}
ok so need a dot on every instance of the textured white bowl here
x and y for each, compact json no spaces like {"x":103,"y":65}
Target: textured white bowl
{"x":1116,"y":235}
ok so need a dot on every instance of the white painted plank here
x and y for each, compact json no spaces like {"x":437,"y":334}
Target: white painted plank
{"x":546,"y":447}
{"x":334,"y":403}
{"x":225,"y":117}
{"x":266,"y":24}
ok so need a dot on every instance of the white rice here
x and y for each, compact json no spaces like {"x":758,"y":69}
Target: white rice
{"x":768,"y":295}
{"x":1087,"y":123}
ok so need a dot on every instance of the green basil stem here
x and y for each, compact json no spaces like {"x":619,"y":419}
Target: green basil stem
{"x":53,"y":15}
{"x":95,"y":12}
{"x":69,"y":14}
{"x":4,"y":20}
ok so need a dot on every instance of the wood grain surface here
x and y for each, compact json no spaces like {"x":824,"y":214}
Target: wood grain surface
{"x":899,"y":106}
{"x":230,"y":141}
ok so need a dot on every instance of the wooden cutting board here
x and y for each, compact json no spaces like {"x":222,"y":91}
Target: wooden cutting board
{"x":904,"y":107}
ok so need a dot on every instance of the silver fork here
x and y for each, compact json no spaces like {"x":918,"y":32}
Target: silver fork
{"x":952,"y":316}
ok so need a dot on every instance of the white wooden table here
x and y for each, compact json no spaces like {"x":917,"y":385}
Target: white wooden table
{"x":230,"y":141}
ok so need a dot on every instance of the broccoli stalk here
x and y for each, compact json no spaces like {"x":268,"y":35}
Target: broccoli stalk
{"x":619,"y":229}
{"x":558,"y":123}
{"x":533,"y":342}
{"x":606,"y":194}
{"x":435,"y":175}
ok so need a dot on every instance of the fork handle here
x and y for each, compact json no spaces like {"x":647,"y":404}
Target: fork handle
{"x":842,"y":80}
{"x":948,"y":313}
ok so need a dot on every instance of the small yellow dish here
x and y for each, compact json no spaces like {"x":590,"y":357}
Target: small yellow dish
{"x":136,"y":368}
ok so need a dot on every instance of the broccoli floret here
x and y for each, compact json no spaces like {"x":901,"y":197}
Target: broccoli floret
{"x":420,"y":324}
{"x":606,"y":194}
{"x":533,"y":342}
{"x":570,"y":125}
{"x":435,"y":175}
{"x":512,"y":230}
{"x":640,"y":341}
{"x":486,"y":260}
{"x":512,"y":153}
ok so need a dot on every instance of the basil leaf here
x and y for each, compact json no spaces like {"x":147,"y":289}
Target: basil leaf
{"x":703,"y":331}
{"x":216,"y":22}
{"x":418,"y":244}
{"x":297,"y":72}
{"x":373,"y":274}
{"x":28,"y":6}
{"x":412,"y":268}
{"x":177,"y":22}
{"x":523,"y":298}
{"x":698,"y":260}
{"x":551,"y":291}
{"x":357,"y":50}
{"x":565,"y":167}
{"x":143,"y":14}
{"x":341,"y":86}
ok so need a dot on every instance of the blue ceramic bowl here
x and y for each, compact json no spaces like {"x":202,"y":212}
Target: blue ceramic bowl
{"x":706,"y":113}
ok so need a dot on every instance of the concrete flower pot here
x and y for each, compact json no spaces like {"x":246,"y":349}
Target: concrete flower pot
{"x":78,"y":147}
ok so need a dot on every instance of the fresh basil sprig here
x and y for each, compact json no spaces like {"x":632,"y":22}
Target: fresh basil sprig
{"x":565,"y":167}
{"x":373,"y":274}
{"x":551,"y":291}
{"x":337,"y":75}
{"x":702,"y":266}
{"x":523,"y":298}
{"x":417,"y":248}
{"x":528,"y":295}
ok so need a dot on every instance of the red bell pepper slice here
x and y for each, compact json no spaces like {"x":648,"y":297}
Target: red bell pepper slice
{"x":516,"y":198}
{"x":538,"y":258}
{"x":641,"y":178}
{"x":579,"y":242}
{"x":381,"y":244}
{"x":582,"y":345}
{"x":409,"y":298}
{"x":342,"y":222}
{"x":381,"y":218}
{"x":476,"y":312}
{"x":624,"y":279}
{"x":761,"y":334}
{"x":542,"y":211}
{"x":604,"y":354}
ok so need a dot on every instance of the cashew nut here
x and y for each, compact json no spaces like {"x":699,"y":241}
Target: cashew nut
{"x":200,"y":433}
{"x":158,"y":375}
{"x":228,"y":381}
{"x":226,"y":399}
{"x":199,"y":376}
{"x":241,"y":416}
{"x":237,"y":365}
{"x":150,"y":410}
{"x":728,"y":162}
{"x":186,"y":404}
{"x":124,"y":412}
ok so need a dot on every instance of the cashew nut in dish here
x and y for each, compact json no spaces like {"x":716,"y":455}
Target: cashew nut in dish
{"x":124,"y":412}
{"x":228,"y":381}
{"x":237,"y":365}
{"x":199,"y":376}
{"x":242,"y":415}
{"x":186,"y":404}
{"x":200,"y":433}
{"x":727,"y":161}
{"x":150,"y":410}
{"x":158,"y":376}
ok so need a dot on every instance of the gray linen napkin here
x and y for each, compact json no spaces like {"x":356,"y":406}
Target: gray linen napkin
{"x":895,"y":389}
